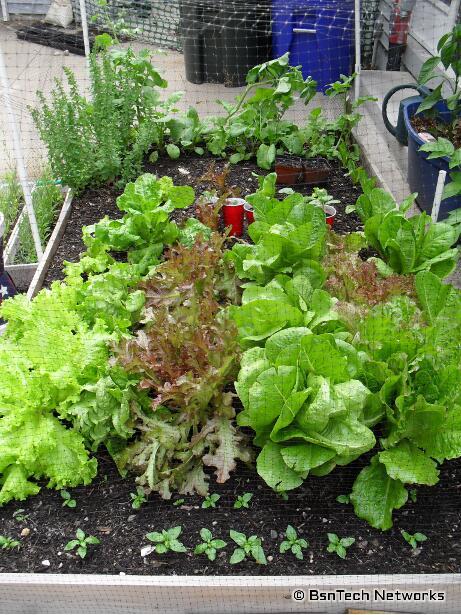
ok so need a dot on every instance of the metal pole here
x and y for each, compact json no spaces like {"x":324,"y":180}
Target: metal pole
{"x":438,"y":195}
{"x":357,"y":30}
{"x":20,"y":158}
{"x":5,"y":10}
{"x":86,"y":38}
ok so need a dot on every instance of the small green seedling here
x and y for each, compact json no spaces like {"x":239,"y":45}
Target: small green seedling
{"x":68,"y":500}
{"x":210,"y":545}
{"x":339,"y":545}
{"x":138,"y":498}
{"x":343,"y":499}
{"x":179,"y":502}
{"x":247,"y":546}
{"x":19,"y":515}
{"x":81,"y":542}
{"x":167,"y":540}
{"x":413,"y":539}
{"x":211,"y":500}
{"x":293,"y":543}
{"x":9,"y":543}
{"x":413,"y":495}
{"x":243,"y":501}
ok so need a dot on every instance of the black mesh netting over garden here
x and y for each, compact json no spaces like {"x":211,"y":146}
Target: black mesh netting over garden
{"x":230,"y":321}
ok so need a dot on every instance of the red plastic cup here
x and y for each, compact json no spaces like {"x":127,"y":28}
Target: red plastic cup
{"x":330,"y":213}
{"x":233,"y":212}
{"x":249,"y":214}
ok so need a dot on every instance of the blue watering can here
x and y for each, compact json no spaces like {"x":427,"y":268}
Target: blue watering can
{"x":400,"y":131}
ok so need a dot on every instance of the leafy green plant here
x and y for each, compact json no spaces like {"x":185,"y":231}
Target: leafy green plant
{"x":406,"y":245}
{"x":211,"y":500}
{"x":10,"y":200}
{"x":93,"y":141}
{"x":339,"y":545}
{"x":448,"y":130}
{"x":179,"y":502}
{"x":254,"y":125}
{"x":413,"y":539}
{"x":167,"y":540}
{"x":80,"y":543}
{"x":138,"y":498}
{"x":320,"y":198}
{"x":9,"y":543}
{"x":293,"y":543}
{"x":243,"y":501}
{"x":251,"y":546}
{"x":210,"y":545}
{"x":68,"y":501}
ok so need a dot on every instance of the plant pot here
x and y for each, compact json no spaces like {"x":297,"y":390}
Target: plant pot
{"x":249,"y":214}
{"x":330,"y":214}
{"x":422,"y":172}
{"x":233,"y":213}
{"x":289,"y":170}
{"x":316,"y":171}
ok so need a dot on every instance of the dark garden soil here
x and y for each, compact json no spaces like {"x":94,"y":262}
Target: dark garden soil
{"x":93,"y":204}
{"x":104,"y":509}
{"x":437,"y":129}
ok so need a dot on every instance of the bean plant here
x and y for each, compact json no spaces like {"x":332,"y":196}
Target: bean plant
{"x":293,"y":543}
{"x":247,"y":547}
{"x":339,"y":545}
{"x":210,"y":545}
{"x":80,"y":543}
{"x":167,"y":540}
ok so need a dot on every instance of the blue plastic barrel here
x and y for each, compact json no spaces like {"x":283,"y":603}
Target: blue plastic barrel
{"x":319,"y":34}
{"x":423,"y":173}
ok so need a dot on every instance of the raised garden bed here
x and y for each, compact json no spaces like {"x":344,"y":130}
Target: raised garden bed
{"x":104,"y":509}
{"x":92,"y":205}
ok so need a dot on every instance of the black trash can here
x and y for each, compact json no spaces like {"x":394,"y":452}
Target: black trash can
{"x":222,"y":40}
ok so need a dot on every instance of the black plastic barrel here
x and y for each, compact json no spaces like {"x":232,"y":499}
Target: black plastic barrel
{"x":222,"y":40}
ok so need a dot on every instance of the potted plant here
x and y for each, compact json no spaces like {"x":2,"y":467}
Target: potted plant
{"x":434,"y":127}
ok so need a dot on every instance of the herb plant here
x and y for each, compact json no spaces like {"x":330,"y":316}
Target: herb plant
{"x":211,"y":500}
{"x":413,"y":539}
{"x":167,"y":540}
{"x":210,"y":545}
{"x":138,"y":498}
{"x":68,"y":501}
{"x":81,"y":542}
{"x":247,"y":547}
{"x":293,"y":543}
{"x":339,"y":545}
{"x":9,"y":543}
{"x":243,"y":501}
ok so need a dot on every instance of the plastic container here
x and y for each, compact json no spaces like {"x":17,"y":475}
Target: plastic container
{"x":319,"y":36}
{"x":289,"y":170}
{"x":249,"y":214}
{"x":223,"y":40}
{"x":316,"y":174}
{"x":330,"y":214}
{"x":422,"y":172}
{"x":233,"y":213}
